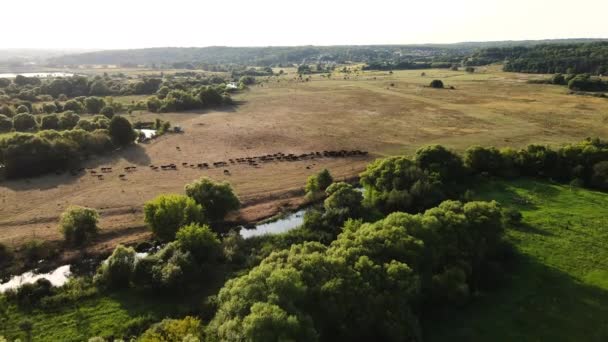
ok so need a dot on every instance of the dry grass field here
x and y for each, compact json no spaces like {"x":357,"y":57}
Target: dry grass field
{"x":379,"y":112}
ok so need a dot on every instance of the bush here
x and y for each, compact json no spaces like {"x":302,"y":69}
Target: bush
{"x":22,"y":109}
{"x":187,"y":329}
{"x":116,"y":271}
{"x":316,"y":184}
{"x":121,"y":131}
{"x":216,"y":199}
{"x":74,"y":106}
{"x":79,"y":224}
{"x":24,"y":122}
{"x":199,"y":240}
{"x":107,"y":111}
{"x":94,"y":104}
{"x":6,"y":124}
{"x":436,"y":84}
{"x":50,"y":121}
{"x":599,"y":179}
{"x":167,"y":213}
{"x":153,"y":104}
{"x":68,"y":120}
{"x":35,"y":250}
{"x":49,"y":108}
{"x":6,"y":254}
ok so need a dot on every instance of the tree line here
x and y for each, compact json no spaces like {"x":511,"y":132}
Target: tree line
{"x":579,"y":58}
{"x":33,"y":154}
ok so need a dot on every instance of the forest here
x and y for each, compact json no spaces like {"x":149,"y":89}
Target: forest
{"x":547,"y":58}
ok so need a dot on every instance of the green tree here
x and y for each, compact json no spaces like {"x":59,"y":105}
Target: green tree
{"x":117,"y":270}
{"x":153,"y":104}
{"x":199,"y":240}
{"x":209,"y":96}
{"x":316,"y":184}
{"x":167,"y":213}
{"x":24,"y":122}
{"x":436,"y":84}
{"x":99,"y":88}
{"x":121,"y":131}
{"x":94,"y":104}
{"x":445,"y":163}
{"x":217,"y":199}
{"x":79,"y":224}
{"x":483,"y":159}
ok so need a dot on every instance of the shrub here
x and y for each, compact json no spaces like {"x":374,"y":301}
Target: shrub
{"x":107,"y":111}
{"x":116,"y":271}
{"x":436,"y":84}
{"x":68,"y":120}
{"x":167,"y":213}
{"x":216,"y":199}
{"x":121,"y":131}
{"x":74,"y":106}
{"x":79,"y":224}
{"x":599,"y":179}
{"x":22,"y":109}
{"x":49,"y":108}
{"x":50,"y":121}
{"x":24,"y":122}
{"x":6,"y":124}
{"x":316,"y":184}
{"x":153,"y":104}
{"x":187,"y":329}
{"x":94,"y":104}
{"x":199,"y":240}
{"x":6,"y":254}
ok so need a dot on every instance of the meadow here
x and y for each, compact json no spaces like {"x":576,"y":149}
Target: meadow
{"x":379,"y":112}
{"x":558,"y":287}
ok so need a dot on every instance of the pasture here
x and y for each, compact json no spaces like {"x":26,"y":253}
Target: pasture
{"x":557,"y":290}
{"x":378,"y":112}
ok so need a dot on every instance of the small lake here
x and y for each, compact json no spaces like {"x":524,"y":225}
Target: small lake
{"x":282,"y":225}
{"x":57,"y":277}
{"x":37,"y":74}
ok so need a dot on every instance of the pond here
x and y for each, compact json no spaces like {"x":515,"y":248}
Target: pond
{"x":282,"y":225}
{"x":149,"y":133}
{"x":37,"y":74}
{"x":57,"y":277}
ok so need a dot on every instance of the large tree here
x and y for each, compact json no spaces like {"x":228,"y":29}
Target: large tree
{"x":217,"y":199}
{"x":167,"y":213}
{"x":121,"y":131}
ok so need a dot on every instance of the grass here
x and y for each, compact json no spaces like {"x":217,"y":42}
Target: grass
{"x":558,"y":289}
{"x":115,"y":314}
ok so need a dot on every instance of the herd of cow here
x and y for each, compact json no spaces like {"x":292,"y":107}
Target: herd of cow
{"x":250,"y":161}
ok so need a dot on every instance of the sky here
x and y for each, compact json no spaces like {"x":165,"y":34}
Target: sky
{"x":127,"y":24}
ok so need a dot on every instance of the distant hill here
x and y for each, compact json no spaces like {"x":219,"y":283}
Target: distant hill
{"x":290,"y":54}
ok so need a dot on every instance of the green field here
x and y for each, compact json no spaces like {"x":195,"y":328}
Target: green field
{"x":558,"y":288}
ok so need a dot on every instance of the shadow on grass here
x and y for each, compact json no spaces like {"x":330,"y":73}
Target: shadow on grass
{"x":527,"y":228}
{"x":537,"y":303}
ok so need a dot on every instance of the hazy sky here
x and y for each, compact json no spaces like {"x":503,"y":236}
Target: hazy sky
{"x":152,"y":23}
